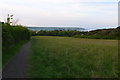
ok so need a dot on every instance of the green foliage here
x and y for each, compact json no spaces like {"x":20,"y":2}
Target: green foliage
{"x":101,"y":34}
{"x":95,"y":34}
{"x":13,"y":34}
{"x":57,"y":33}
{"x":32,"y":33}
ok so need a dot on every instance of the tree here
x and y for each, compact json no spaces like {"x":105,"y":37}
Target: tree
{"x":9,"y":19}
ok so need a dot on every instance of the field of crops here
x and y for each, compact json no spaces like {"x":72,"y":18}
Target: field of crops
{"x":67,"y":57}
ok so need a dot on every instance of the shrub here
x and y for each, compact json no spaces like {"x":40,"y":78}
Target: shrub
{"x":13,"y":34}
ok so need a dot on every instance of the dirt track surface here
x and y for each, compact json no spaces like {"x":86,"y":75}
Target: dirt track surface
{"x":17,"y":66}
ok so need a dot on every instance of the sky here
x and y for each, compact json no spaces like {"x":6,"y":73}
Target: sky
{"x":51,"y":13}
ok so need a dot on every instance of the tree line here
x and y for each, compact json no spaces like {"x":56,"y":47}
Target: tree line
{"x":112,"y":33}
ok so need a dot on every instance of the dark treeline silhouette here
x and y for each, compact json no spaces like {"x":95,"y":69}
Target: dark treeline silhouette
{"x":112,"y":33}
{"x":68,"y":33}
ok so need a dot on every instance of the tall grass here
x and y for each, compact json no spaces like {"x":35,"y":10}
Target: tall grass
{"x":63,"y":57}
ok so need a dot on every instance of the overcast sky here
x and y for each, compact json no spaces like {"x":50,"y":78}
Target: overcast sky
{"x":83,"y":13}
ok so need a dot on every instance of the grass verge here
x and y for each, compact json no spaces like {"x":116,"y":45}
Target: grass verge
{"x":7,"y":55}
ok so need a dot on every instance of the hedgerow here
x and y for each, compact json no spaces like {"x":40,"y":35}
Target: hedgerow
{"x":13,"y":34}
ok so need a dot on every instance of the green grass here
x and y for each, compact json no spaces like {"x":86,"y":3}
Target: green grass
{"x":66,"y":57}
{"x":9,"y":53}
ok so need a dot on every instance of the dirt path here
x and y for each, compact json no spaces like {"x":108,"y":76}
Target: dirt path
{"x":16,"y":68}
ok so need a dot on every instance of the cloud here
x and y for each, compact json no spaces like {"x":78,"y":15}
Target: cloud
{"x":62,"y":12}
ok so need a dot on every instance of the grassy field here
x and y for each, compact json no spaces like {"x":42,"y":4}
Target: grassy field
{"x":66,"y":57}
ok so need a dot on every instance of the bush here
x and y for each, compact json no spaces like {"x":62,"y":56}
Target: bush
{"x":13,"y":34}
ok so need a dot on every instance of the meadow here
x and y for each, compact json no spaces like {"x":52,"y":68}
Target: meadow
{"x":67,"y":57}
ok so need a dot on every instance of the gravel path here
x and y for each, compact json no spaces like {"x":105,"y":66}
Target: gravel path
{"x":16,"y":67}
